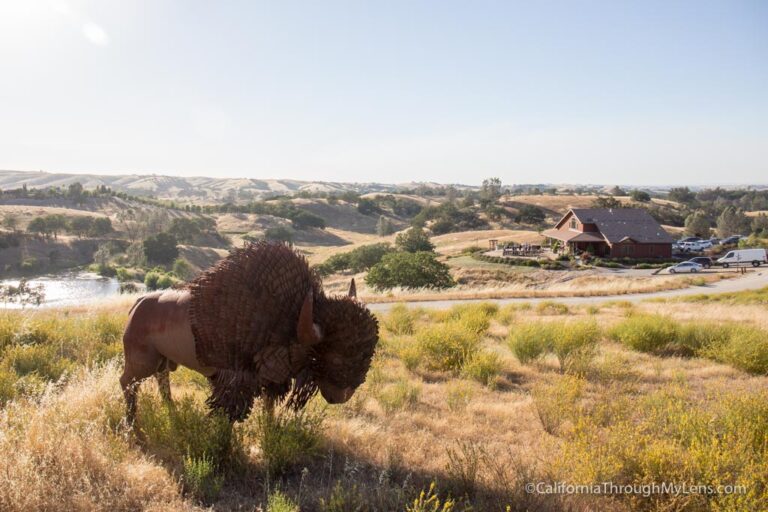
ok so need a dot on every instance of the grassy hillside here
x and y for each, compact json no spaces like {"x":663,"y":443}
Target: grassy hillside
{"x":472,"y":403}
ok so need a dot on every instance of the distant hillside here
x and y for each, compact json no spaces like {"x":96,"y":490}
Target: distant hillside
{"x":194,"y":188}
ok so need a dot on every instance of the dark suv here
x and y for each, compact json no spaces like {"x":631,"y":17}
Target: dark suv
{"x":730,"y":240}
{"x":703,"y":261}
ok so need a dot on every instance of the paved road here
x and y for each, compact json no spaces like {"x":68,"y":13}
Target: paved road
{"x":754,"y":279}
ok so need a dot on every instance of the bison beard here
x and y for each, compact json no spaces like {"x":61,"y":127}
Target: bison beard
{"x":244,"y":315}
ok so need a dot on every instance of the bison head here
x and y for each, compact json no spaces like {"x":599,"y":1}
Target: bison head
{"x":342,"y":334}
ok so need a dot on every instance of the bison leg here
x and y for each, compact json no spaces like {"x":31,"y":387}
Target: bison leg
{"x":136,"y":370}
{"x":130,"y":387}
{"x":164,"y":384}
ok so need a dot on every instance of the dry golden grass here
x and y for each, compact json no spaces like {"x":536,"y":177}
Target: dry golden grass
{"x":524,"y":284}
{"x":405,"y":428}
{"x":25,"y":213}
{"x":561,"y":203}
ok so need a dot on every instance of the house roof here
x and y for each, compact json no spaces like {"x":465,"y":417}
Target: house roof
{"x":621,"y":224}
{"x":573,"y":236}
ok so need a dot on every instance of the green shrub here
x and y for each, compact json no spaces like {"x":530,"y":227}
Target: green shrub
{"x":287,"y":439}
{"x":165,"y":281}
{"x":474,"y":317}
{"x":398,"y":396}
{"x":279,"y":502}
{"x":151,"y":279}
{"x":446,"y":347}
{"x":186,"y":430}
{"x":201,"y":479}
{"x":575,"y":345}
{"x":746,"y":349}
{"x":43,"y":360}
{"x":400,"y":320}
{"x":483,"y":367}
{"x":646,"y":333}
{"x":531,"y":340}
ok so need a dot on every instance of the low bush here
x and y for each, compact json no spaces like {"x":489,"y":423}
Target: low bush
{"x":483,"y":367}
{"x":558,"y":402}
{"x":474,"y":317}
{"x":42,"y":360}
{"x":531,"y":340}
{"x":575,"y":345}
{"x":398,"y":396}
{"x":447,"y":346}
{"x":280,"y":502}
{"x":186,"y":429}
{"x":400,"y":320}
{"x":201,"y":479}
{"x":646,"y":333}
{"x":745,"y":348}
{"x":287,"y":439}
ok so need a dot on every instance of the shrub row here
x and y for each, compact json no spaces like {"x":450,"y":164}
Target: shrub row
{"x":519,"y":262}
{"x":573,"y":343}
{"x":742,"y":346}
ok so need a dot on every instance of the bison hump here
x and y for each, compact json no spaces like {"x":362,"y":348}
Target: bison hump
{"x":244,"y":311}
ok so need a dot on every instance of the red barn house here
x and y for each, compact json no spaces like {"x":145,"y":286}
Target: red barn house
{"x":612,"y":233}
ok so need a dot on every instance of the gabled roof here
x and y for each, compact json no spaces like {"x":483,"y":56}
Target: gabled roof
{"x":620,"y":224}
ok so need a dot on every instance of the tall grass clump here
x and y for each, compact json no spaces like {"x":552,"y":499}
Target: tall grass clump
{"x":646,"y":333}
{"x":575,"y":344}
{"x":483,"y":367}
{"x":670,"y":436}
{"x":186,"y":429}
{"x":558,"y":402}
{"x":746,"y":348}
{"x":531,"y":340}
{"x":201,"y":479}
{"x":400,"y":320}
{"x":474,"y":317}
{"x":447,"y":347}
{"x":68,"y":452}
{"x":280,"y":502}
{"x":287,"y":439}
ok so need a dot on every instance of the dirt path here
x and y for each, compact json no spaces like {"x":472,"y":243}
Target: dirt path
{"x":754,"y":279}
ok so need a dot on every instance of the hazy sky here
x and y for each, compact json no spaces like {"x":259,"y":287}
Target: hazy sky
{"x":641,"y":92}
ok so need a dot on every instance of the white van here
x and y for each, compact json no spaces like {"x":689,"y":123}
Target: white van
{"x":744,"y":257}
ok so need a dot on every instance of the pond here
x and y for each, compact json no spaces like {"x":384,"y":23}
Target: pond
{"x":69,"y":288}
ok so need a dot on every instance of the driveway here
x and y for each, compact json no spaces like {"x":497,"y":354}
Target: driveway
{"x":752,"y":280}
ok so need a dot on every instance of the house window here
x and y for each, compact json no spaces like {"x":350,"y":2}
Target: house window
{"x":574,"y":224}
{"x":626,"y":250}
{"x":650,"y":249}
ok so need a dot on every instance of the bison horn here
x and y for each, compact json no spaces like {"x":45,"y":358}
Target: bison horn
{"x":307,"y":331}
{"x":352,"y":289}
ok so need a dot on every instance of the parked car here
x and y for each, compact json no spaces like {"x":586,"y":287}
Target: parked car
{"x":686,"y":266}
{"x":705,"y":244}
{"x":730,"y":240}
{"x":754,"y":257}
{"x":704,"y":261}
{"x":690,"y":239}
{"x":714,"y":241}
{"x":692,"y":246}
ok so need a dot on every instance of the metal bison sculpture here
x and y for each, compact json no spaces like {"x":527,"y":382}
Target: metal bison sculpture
{"x":257,"y":325}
